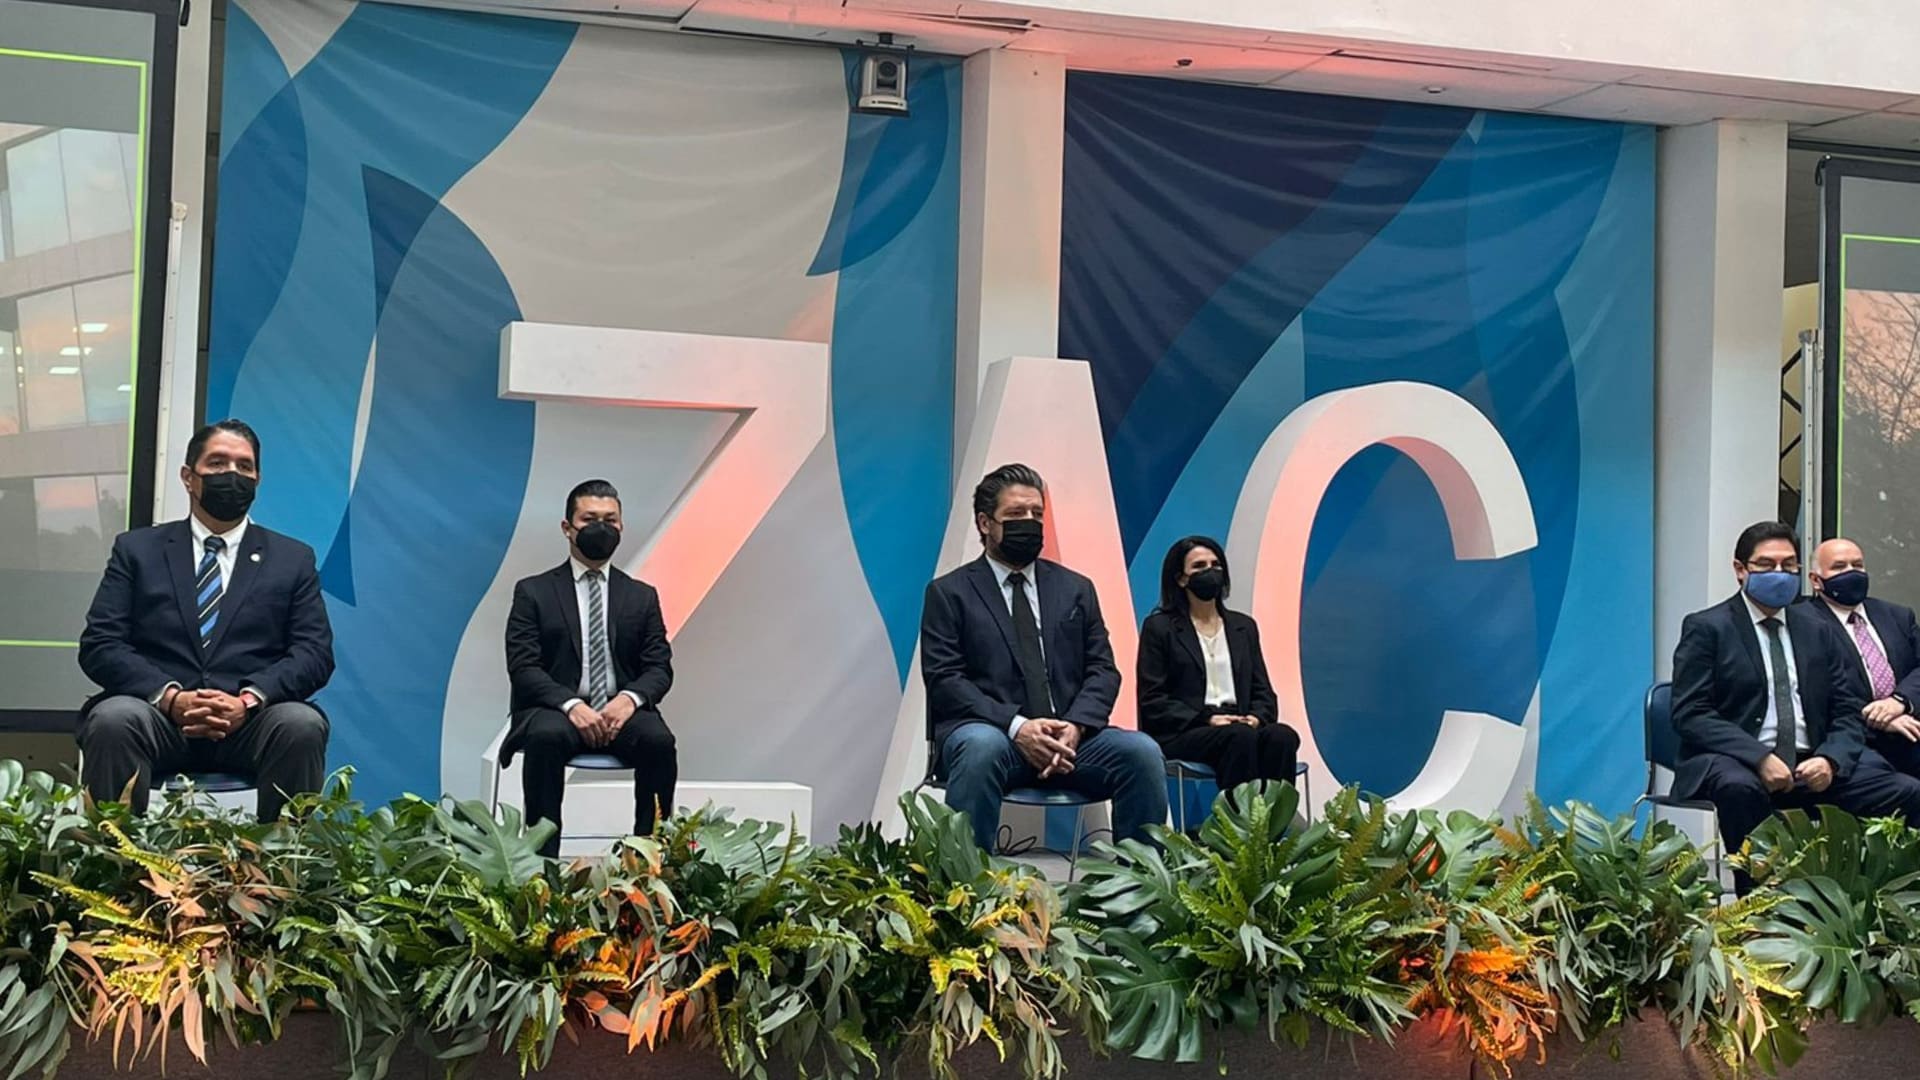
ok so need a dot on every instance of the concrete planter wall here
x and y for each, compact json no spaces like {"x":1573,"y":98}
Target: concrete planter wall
{"x":310,"y":1050}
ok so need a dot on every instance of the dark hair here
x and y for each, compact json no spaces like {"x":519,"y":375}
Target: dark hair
{"x":1172,"y":596}
{"x":590,"y":489}
{"x":1759,"y":533}
{"x":198,"y":444}
{"x":986,"y":494}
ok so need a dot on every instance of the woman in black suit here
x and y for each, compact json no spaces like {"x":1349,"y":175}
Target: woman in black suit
{"x":1202,"y":683}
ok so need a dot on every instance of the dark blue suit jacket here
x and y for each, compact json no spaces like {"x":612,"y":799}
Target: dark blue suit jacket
{"x":968,"y":659}
{"x":1898,"y":632}
{"x":1720,"y":690}
{"x":273,"y":632}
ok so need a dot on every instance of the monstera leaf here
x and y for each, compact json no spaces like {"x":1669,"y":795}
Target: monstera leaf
{"x":1152,"y":1016}
{"x":1819,"y":935}
{"x":498,"y":852}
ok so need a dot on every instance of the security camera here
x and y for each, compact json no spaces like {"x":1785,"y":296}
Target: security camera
{"x":883,"y":83}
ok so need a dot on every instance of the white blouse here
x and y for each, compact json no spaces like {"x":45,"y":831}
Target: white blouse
{"x":1219,"y":664}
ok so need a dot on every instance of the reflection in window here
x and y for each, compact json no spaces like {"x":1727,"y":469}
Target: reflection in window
{"x":99,"y":197}
{"x":103,"y":313}
{"x":39,"y":202}
{"x":19,"y":549}
{"x":9,"y":382}
{"x":67,"y":516}
{"x":51,"y":353}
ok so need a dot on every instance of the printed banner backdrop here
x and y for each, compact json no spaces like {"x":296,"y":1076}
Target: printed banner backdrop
{"x":1230,"y":254}
{"x":399,"y":184}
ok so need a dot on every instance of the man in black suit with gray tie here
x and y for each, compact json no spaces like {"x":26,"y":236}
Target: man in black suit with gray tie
{"x":1019,"y":697}
{"x":1767,"y":713}
{"x":588,"y":657}
{"x":207,"y":636}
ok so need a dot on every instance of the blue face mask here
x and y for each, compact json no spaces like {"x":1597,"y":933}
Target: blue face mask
{"x":1772,"y":588}
{"x":1847,"y":588}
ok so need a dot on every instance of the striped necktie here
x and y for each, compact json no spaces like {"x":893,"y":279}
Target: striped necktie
{"x":599,"y":670}
{"x":207,"y":589}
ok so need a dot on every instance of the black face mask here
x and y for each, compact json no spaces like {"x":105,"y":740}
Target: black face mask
{"x":1207,"y":584}
{"x":597,"y":540}
{"x":1021,"y":541}
{"x":227,"y":496}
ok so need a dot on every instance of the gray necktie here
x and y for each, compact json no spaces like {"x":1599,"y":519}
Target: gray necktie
{"x":1786,"y":746}
{"x":599,"y":671}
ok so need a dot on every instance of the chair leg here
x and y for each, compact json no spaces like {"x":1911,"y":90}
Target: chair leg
{"x":1306,"y":792}
{"x":1180,"y":798}
{"x":1073,"y":849}
{"x":493,"y":791}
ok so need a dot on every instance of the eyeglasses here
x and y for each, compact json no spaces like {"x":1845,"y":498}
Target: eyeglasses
{"x":1768,"y":566}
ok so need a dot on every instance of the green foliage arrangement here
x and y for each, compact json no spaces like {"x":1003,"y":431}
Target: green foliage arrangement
{"x":439,"y":924}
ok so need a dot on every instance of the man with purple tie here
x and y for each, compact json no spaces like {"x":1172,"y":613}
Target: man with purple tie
{"x":1886,"y":641}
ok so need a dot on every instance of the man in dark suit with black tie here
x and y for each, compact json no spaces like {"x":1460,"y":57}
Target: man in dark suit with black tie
{"x":1020,"y":678}
{"x":1766,"y":711}
{"x":207,"y":636}
{"x":1886,"y":644}
{"x":588,"y":656}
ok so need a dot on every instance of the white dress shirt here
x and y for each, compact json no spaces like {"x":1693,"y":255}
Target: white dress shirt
{"x":1219,"y":665}
{"x":583,"y":595}
{"x":1001,"y":572}
{"x":1770,"y":727}
{"x":1843,"y":614}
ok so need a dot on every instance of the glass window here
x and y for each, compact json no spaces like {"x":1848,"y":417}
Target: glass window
{"x":39,"y":203}
{"x":103,"y":313}
{"x":98,"y":202}
{"x":10,"y":370}
{"x":51,"y":355}
{"x":113,"y":510}
{"x":19,"y":549}
{"x":67,"y":513}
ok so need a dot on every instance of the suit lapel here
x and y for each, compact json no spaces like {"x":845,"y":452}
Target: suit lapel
{"x":1240,"y":656}
{"x":980,"y":574}
{"x":1189,"y":639}
{"x":247,"y":565}
{"x":182,"y":561}
{"x":563,"y":587}
{"x":1055,"y":606}
{"x":1749,"y":637}
{"x":1807,"y":648}
{"x":1891,"y":639}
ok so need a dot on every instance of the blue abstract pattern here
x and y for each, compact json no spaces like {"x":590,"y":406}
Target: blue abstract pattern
{"x":1230,"y":253}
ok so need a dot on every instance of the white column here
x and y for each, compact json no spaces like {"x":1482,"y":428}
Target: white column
{"x":1719,"y":253}
{"x":1011,"y":138}
{"x":180,"y":352}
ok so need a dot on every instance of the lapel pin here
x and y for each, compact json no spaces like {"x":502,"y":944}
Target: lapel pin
{"x":255,"y":556}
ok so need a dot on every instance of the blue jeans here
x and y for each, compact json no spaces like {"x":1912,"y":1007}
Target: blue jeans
{"x":981,"y":763}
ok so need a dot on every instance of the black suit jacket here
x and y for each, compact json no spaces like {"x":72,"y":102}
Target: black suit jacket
{"x":1898,"y":633}
{"x":969,"y":663}
{"x":142,"y":631}
{"x":1172,"y":675}
{"x":544,"y":654}
{"x":1720,"y":690}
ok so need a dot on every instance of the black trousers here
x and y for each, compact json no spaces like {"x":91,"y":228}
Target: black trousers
{"x":1238,"y":754}
{"x":1904,"y":756}
{"x":1874,"y":789}
{"x":283,"y":749}
{"x":644,"y":744}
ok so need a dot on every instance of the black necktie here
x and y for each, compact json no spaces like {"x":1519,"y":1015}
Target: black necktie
{"x":1785,"y":746}
{"x":1033,"y":664}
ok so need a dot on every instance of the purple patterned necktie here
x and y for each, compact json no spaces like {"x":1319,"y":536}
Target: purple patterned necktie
{"x":1879,"y":672}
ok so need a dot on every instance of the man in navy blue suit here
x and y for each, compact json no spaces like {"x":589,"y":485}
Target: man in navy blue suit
{"x":207,"y":636}
{"x":1886,"y":648}
{"x":1020,"y":677}
{"x":1767,"y":714}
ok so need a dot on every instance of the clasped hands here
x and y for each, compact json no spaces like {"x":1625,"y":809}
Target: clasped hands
{"x":1815,"y":772}
{"x":599,"y":726}
{"x":1048,"y":745}
{"x":206,"y":714}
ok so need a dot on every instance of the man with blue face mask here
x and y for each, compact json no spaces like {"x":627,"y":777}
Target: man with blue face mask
{"x":1768,"y":714}
{"x":1886,"y":643}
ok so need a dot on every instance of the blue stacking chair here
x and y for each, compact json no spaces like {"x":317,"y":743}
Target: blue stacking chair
{"x":1662,"y":752}
{"x":1026,"y":796}
{"x":213,"y":783}
{"x":591,"y":761}
{"x":1180,"y":772}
